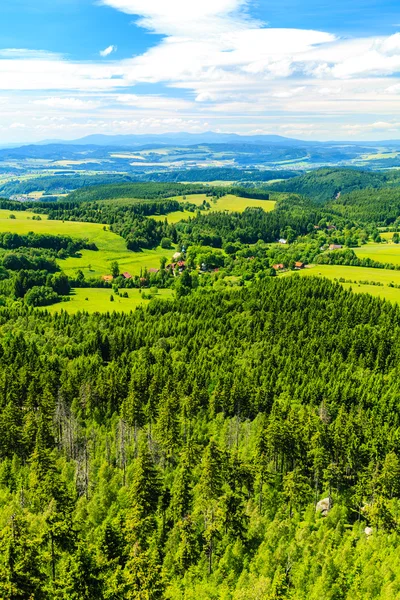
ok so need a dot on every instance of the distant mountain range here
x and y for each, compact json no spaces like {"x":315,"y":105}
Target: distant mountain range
{"x":179,"y":139}
{"x":177,"y":151}
{"x":209,"y":137}
{"x":193,"y":139}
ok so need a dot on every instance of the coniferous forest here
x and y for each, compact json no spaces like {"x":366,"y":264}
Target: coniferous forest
{"x":199,"y":300}
{"x":182,"y":451}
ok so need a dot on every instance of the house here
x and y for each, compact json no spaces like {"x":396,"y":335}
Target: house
{"x":298,"y":265}
{"x":154,"y":271}
{"x":331,"y":227}
{"x":282,"y":241}
{"x":126,"y":275}
{"x":278,"y":267}
{"x":107,"y":277}
{"x":335,"y":247}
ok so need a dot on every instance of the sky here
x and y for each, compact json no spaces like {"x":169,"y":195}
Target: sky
{"x":313,"y":70}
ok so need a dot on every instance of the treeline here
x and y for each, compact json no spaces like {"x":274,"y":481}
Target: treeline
{"x":109,"y":213}
{"x":249,"y":193}
{"x":10,"y":241}
{"x":327,"y":183}
{"x":350,"y":258}
{"x":205,"y":174}
{"x":179,"y":452}
{"x":141,"y":191}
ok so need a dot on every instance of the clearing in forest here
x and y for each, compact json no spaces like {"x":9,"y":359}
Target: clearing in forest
{"x":98,"y":300}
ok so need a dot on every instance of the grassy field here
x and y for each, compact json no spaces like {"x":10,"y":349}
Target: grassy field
{"x":111,"y":247}
{"x":228,"y":202}
{"x":19,"y":216}
{"x":98,"y":300}
{"x":357,"y":274}
{"x":174,"y":217}
{"x":387,"y":235}
{"x":386,"y":253}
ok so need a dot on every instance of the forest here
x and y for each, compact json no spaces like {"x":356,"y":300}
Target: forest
{"x":180,"y":451}
{"x":327,"y":183}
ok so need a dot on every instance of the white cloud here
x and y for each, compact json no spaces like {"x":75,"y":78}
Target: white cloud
{"x":17,"y":126}
{"x":27,"y":54}
{"x":231,"y":69}
{"x":107,"y":51}
{"x":183,"y":17}
{"x":153,"y":102}
{"x":67,"y":103}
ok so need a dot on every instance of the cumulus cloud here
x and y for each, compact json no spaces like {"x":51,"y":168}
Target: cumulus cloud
{"x":226,"y":64}
{"x":107,"y":51}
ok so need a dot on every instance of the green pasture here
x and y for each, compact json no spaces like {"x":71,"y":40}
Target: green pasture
{"x":385,"y":253}
{"x":357,"y":274}
{"x":98,"y":300}
{"x":387,"y":235}
{"x":228,"y":202}
{"x":19,"y":216}
{"x":111,"y":247}
{"x":174,"y":217}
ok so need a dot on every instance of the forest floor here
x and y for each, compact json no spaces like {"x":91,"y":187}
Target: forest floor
{"x":98,"y":300}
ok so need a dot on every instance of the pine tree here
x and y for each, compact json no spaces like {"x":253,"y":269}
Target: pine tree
{"x":144,"y":495}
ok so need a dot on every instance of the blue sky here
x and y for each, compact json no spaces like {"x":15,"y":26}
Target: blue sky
{"x":312,"y":69}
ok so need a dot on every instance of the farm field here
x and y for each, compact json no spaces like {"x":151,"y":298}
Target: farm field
{"x":386,"y":253}
{"x":228,"y":202}
{"x":98,"y":300}
{"x":111,"y":247}
{"x":357,"y":274}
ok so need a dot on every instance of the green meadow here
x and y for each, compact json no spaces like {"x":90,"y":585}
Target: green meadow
{"x":174,"y":217}
{"x":357,"y":274}
{"x":98,"y":300}
{"x":111,"y":247}
{"x":19,"y":216}
{"x":386,"y":253}
{"x":228,"y":202}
